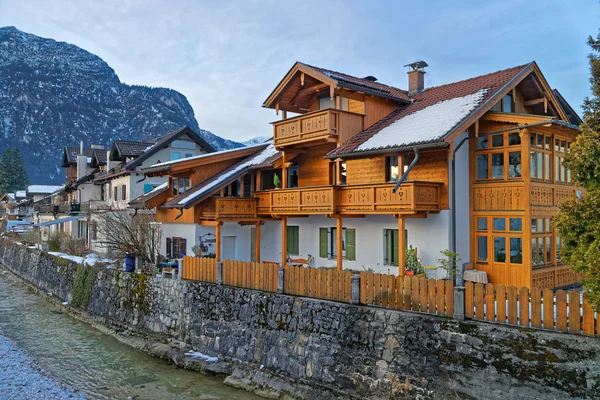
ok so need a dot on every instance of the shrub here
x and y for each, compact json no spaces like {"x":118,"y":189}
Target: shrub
{"x":72,"y":246}
{"x":54,"y":240}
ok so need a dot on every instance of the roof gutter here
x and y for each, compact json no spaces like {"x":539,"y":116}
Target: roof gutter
{"x":151,"y":170}
{"x":379,"y":152}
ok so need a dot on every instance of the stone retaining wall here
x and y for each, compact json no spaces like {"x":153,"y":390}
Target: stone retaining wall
{"x":277,"y":344}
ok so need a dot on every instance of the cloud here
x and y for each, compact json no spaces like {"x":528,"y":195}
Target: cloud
{"x":226,"y":57}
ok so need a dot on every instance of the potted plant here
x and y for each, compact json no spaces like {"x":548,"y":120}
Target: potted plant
{"x":413,"y":263}
{"x":276,"y":181}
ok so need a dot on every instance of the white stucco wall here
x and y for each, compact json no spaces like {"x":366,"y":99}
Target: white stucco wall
{"x":429,"y":235}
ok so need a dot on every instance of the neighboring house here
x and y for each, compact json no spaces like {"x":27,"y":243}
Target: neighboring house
{"x":121,"y":181}
{"x":8,"y":210}
{"x":368,"y":169}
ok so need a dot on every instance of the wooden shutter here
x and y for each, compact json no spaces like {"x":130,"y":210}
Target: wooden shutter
{"x":115,"y":194}
{"x":350,"y":244}
{"x":387,"y":254}
{"x":147,"y":187}
{"x":323,"y":242}
{"x":169,"y":248}
{"x":124,"y":192}
{"x":293,"y":240}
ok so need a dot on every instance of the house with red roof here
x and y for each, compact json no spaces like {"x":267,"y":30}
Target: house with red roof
{"x":361,"y":173}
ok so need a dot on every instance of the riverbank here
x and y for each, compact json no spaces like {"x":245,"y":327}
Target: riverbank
{"x":20,"y":378}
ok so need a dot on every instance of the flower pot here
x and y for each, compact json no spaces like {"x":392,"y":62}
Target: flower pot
{"x":409,"y":273}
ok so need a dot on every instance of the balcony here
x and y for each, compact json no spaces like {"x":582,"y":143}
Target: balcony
{"x":317,"y":127}
{"x":352,"y":199}
{"x":229,"y":207}
{"x":73,"y":208}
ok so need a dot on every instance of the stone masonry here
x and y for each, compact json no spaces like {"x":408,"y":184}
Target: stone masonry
{"x":337,"y":350}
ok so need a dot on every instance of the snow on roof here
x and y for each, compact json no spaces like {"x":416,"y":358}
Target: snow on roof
{"x":20,"y":193}
{"x":158,"y":188}
{"x":268,"y":152}
{"x":42,"y":189}
{"x":428,"y":124}
{"x":204,"y":155}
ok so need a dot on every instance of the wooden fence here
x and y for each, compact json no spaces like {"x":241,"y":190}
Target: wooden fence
{"x":407,"y":293}
{"x":199,"y":269}
{"x":561,"y":311}
{"x":251,"y":275}
{"x":319,"y":283}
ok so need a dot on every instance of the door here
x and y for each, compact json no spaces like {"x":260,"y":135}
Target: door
{"x":228,"y":248}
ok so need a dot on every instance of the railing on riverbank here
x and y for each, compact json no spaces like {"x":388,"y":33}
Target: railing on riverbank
{"x":539,"y":309}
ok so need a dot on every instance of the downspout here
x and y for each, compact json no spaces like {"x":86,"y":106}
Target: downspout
{"x":453,"y":177}
{"x":143,"y":179}
{"x":180,"y":214}
{"x":410,"y":167}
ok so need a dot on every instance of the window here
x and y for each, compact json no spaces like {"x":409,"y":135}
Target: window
{"x":343,"y":173}
{"x":326,"y":102}
{"x":514,"y":164}
{"x":390,"y":240}
{"x":179,"y":185}
{"x":187,"y":155}
{"x":499,"y":156}
{"x":175,"y":155}
{"x":516,"y":250}
{"x":176,"y":247}
{"x":507,"y":103}
{"x":328,"y":243}
{"x":482,"y":224}
{"x":392,"y":168}
{"x":539,"y":156}
{"x":482,"y":249}
{"x":482,"y":166}
{"x":499,"y":249}
{"x":561,"y":173}
{"x":499,"y":237}
{"x":499,"y":224}
{"x":498,"y":166}
{"x":541,"y":242}
{"x":293,"y":240}
{"x":93,"y":230}
{"x":292,"y":181}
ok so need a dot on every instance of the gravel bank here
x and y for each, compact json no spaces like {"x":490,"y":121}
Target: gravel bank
{"x":20,"y":379}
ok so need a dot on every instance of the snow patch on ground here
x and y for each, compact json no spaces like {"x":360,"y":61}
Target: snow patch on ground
{"x":198,"y":355}
{"x":430,"y":123}
{"x":89,"y":260}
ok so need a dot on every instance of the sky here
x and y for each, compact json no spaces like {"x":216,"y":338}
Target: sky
{"x":227,"y":56}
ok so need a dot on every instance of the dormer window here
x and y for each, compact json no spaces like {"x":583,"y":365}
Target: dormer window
{"x":507,"y":103}
{"x":179,"y":185}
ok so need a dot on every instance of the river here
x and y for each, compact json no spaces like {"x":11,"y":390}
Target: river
{"x":91,"y":363}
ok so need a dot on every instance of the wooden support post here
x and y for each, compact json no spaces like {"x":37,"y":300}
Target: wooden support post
{"x":257,"y":244}
{"x":283,"y":241}
{"x":284,"y":114}
{"x":401,"y":246}
{"x":218,"y":242}
{"x":339,"y":243}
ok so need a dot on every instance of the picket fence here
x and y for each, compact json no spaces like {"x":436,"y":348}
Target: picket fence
{"x":407,"y":293}
{"x":542,"y":309}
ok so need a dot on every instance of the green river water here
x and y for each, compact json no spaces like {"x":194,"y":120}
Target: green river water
{"x":90,"y":362}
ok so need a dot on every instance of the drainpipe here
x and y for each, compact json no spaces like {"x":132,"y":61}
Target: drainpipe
{"x":180,"y":214}
{"x":405,"y":175}
{"x":453,"y":177}
{"x":143,"y":179}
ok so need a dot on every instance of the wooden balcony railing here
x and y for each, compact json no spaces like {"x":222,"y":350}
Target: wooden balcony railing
{"x":352,"y":199}
{"x":310,"y":200}
{"x":229,"y":207}
{"x":323,"y":125}
{"x":379,"y":198}
{"x":73,"y":208}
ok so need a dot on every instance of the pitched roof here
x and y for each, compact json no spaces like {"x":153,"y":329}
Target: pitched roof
{"x":86,"y":177}
{"x":364,"y":85}
{"x":130,"y":148}
{"x":70,"y":154}
{"x":42,"y":189}
{"x":161,"y":142}
{"x":141,"y":200}
{"x":434,"y":114}
{"x":221,"y":179}
{"x":98,"y":157}
{"x":571,"y":113}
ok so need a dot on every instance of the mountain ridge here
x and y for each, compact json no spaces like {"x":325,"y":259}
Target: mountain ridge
{"x":55,"y":94}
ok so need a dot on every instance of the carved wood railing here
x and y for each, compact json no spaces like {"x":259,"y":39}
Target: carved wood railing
{"x":554,"y":276}
{"x":324,"y":125}
{"x":312,"y":200}
{"x":352,"y":199}
{"x":228,"y":207}
{"x":379,"y":198}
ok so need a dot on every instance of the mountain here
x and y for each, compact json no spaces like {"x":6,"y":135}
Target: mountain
{"x":256,"y":140}
{"x":54,"y":94}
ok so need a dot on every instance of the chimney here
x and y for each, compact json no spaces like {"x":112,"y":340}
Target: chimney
{"x":416,"y":77}
{"x":82,"y":169}
{"x":110,"y":164}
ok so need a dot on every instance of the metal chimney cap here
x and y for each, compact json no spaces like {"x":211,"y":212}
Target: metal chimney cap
{"x":417,"y":65}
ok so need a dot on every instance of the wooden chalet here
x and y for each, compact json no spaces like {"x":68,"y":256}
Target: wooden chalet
{"x":367,"y":169}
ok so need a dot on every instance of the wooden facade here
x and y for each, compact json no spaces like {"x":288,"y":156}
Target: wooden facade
{"x":515,"y":183}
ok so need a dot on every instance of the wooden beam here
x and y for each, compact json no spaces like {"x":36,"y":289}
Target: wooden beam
{"x":529,"y":103}
{"x":342,"y":215}
{"x":339,"y":243}
{"x":284,"y":170}
{"x":401,"y":246}
{"x":257,"y":244}
{"x":218,"y":242}
{"x":283,"y":241}
{"x":209,"y":223}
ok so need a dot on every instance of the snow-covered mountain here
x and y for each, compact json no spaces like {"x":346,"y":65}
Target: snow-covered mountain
{"x":256,"y":140}
{"x":54,"y":94}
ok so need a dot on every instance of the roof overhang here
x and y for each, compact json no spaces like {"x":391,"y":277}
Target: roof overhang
{"x":390,"y":151}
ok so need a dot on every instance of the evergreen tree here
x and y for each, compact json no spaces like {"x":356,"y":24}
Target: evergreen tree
{"x":13,"y":176}
{"x":578,"y":221}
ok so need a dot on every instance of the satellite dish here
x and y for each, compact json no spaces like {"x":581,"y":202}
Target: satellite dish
{"x":417,"y":65}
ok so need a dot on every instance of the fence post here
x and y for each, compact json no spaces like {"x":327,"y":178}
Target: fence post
{"x":280,"y":279}
{"x":355,"y":279}
{"x":220,"y":273}
{"x":179,"y":268}
{"x":459,"y":303}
